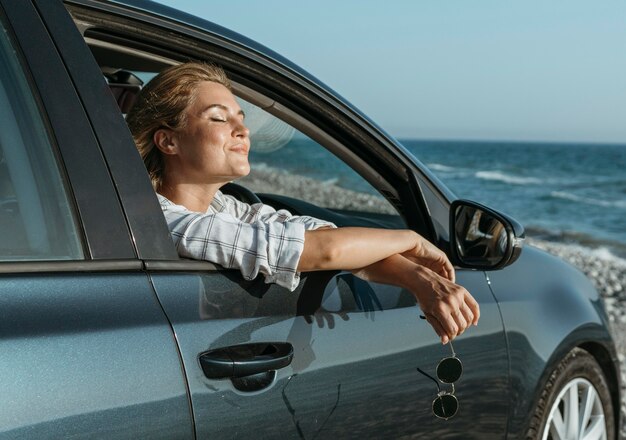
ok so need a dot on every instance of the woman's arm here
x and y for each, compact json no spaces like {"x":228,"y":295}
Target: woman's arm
{"x":399,"y":257}
{"x":448,"y":307}
{"x":353,"y":248}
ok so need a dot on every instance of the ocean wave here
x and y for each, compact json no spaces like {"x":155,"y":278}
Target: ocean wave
{"x":263,"y":166}
{"x":571,"y":250}
{"x":440,"y":167}
{"x":331,"y":181}
{"x":604,"y":181}
{"x":597,"y":202}
{"x":604,"y":253}
{"x":506,"y":178}
{"x":598,"y":246}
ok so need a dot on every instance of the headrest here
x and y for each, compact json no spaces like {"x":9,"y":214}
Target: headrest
{"x":124,"y":85}
{"x":125,"y":95}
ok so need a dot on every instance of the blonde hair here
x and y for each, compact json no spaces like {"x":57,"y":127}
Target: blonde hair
{"x":162,"y":104}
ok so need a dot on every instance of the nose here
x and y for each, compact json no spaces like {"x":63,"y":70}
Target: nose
{"x":240,"y":130}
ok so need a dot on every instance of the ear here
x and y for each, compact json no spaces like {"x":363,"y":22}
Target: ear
{"x":165,"y":140}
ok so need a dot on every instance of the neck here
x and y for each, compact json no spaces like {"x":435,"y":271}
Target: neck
{"x":192,"y":196}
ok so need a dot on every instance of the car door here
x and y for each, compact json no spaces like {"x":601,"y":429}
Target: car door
{"x":356,"y":349}
{"x":356,"y":345}
{"x":86,"y":351}
{"x":353,"y":372}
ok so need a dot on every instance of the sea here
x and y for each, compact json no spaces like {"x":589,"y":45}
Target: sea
{"x":562,"y":192}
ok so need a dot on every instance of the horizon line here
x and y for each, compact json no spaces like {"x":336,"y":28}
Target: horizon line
{"x":511,"y":141}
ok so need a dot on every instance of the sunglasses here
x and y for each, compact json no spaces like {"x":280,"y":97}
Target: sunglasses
{"x":449,"y":370}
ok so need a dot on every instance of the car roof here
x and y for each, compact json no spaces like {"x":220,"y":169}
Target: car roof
{"x":151,"y":8}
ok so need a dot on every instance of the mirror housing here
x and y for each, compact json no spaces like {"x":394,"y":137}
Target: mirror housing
{"x":481,"y":238}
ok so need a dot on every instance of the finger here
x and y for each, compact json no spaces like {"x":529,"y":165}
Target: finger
{"x":460,"y":321}
{"x":467,"y":314}
{"x":331,"y":321}
{"x":448,"y":268}
{"x":434,"y":323}
{"x":451,"y":272}
{"x":473,"y":305}
{"x":320,"y":320}
{"x":441,"y":268}
{"x":447,"y":322}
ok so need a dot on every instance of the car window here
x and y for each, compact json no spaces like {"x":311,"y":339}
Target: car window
{"x":287,"y":162}
{"x":36,"y":219}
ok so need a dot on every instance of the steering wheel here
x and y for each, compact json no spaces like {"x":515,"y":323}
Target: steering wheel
{"x":241,"y":193}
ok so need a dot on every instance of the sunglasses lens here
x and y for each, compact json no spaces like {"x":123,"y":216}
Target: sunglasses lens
{"x":445,"y":406}
{"x":449,"y":370}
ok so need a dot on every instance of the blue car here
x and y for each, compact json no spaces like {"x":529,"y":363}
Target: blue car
{"x":107,"y":333}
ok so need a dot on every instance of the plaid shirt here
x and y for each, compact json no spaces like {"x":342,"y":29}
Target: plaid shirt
{"x":252,"y":238}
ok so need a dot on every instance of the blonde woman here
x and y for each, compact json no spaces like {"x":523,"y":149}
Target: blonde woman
{"x":191,"y":134}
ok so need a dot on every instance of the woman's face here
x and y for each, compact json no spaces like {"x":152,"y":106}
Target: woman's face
{"x":213,"y":147}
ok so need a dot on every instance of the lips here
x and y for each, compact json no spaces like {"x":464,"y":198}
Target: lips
{"x":241,"y":149}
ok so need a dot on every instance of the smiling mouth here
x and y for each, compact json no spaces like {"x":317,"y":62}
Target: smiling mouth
{"x":241,"y":149}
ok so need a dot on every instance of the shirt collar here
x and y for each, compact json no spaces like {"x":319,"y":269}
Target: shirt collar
{"x":217,"y":205}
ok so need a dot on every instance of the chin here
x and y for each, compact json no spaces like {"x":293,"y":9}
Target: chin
{"x":243,"y":172}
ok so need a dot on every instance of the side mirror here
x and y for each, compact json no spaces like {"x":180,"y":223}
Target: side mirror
{"x":482,"y":238}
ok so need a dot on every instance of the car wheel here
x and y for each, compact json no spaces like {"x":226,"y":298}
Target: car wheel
{"x":576,"y":403}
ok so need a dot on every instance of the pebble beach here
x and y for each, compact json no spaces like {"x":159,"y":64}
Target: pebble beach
{"x":607,"y":272}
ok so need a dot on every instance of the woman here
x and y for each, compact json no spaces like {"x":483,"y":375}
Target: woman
{"x":190,"y":132}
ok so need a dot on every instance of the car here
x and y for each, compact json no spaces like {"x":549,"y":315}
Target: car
{"x":108,"y":333}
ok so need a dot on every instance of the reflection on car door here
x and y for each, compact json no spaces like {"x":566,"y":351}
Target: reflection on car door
{"x":356,"y":348}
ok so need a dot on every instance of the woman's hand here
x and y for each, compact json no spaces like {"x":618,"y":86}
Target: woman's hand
{"x":448,"y":307}
{"x":398,"y":257}
{"x":428,"y":255}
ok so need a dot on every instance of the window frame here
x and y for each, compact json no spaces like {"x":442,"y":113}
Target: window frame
{"x":149,"y":233}
{"x":316,"y":113}
{"x":82,"y":167}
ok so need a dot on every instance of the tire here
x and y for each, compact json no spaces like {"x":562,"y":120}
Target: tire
{"x":577,"y":378}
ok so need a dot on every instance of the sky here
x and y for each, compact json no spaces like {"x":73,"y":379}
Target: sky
{"x":529,"y":70}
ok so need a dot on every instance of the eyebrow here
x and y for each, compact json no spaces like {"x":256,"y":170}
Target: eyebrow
{"x":223,"y":107}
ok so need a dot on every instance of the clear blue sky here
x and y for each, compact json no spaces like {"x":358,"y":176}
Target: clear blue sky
{"x":455,"y":69}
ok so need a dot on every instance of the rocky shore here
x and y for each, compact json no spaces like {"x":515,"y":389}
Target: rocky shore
{"x":606,"y":271}
{"x":327,"y":194}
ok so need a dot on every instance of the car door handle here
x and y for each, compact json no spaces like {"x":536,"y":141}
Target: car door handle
{"x":245,"y":360}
